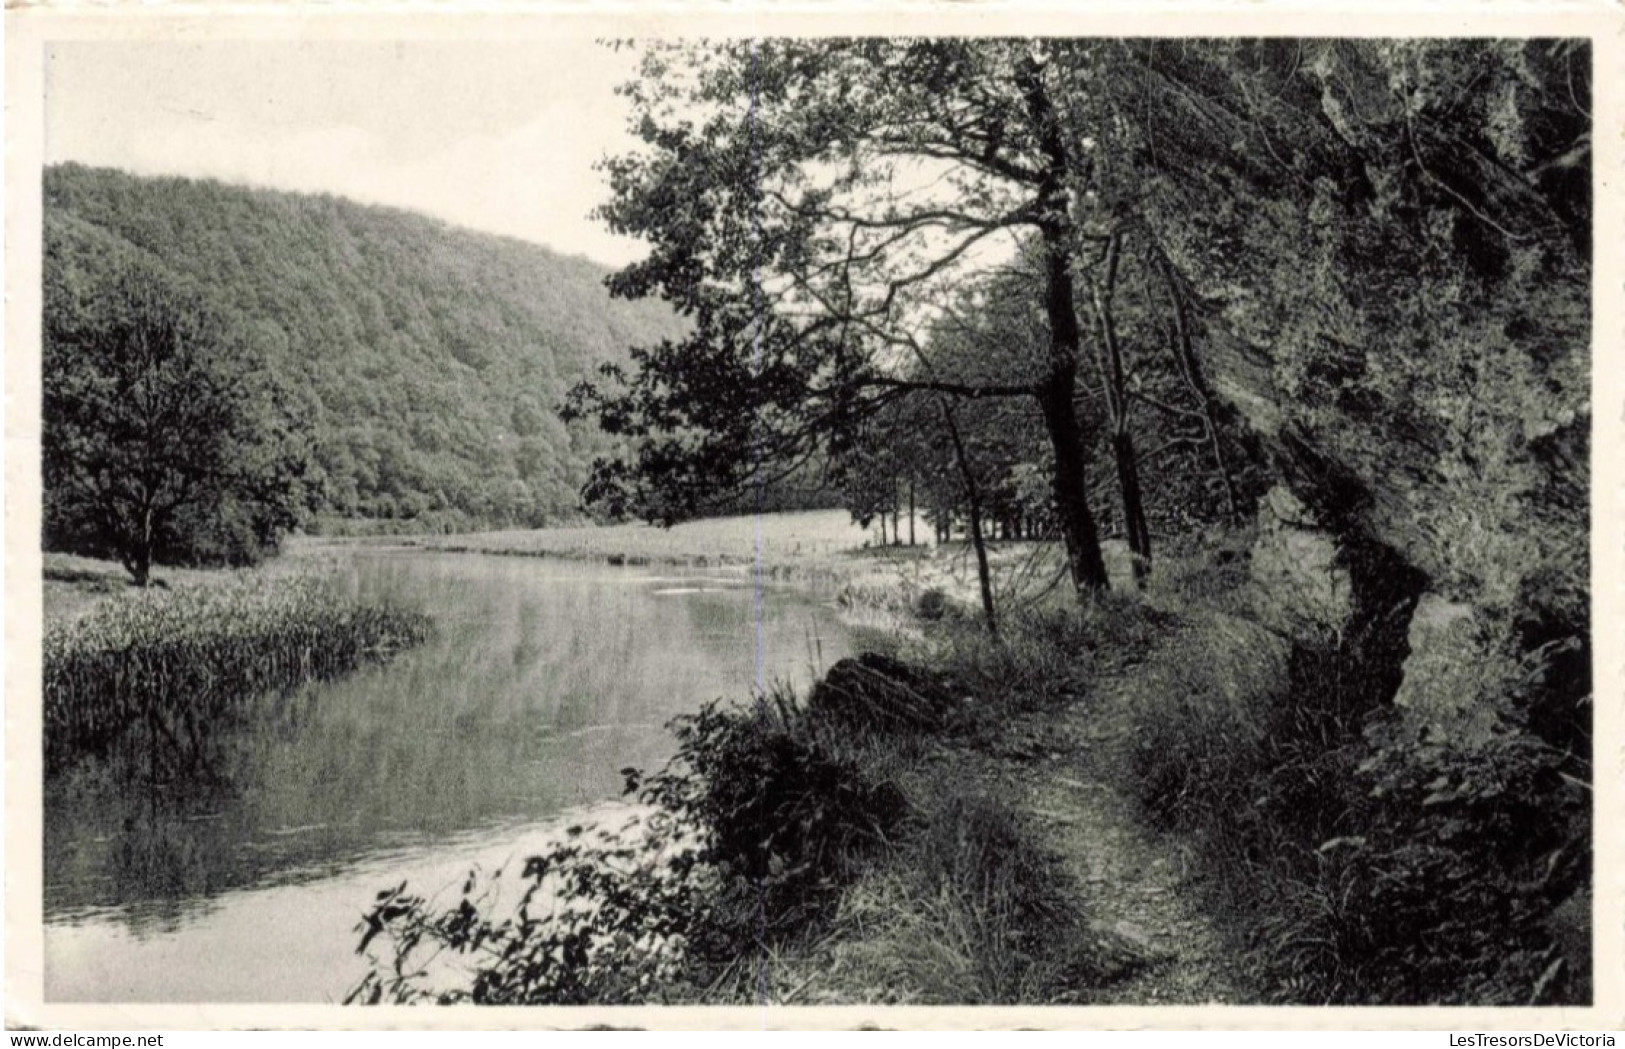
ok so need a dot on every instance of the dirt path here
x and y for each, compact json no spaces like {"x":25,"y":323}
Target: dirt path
{"x":1141,"y":886}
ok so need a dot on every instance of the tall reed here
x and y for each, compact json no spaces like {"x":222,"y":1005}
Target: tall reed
{"x":179,"y":661}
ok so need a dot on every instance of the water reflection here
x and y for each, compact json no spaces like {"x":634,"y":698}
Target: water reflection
{"x":543,"y":680}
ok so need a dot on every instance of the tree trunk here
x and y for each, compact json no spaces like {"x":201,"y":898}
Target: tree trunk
{"x":1077,"y":524}
{"x":1135,"y":529}
{"x":1191,"y":369}
{"x":140,"y":562}
{"x":911,"y":512}
{"x":1055,"y":392}
{"x":984,"y":576}
{"x":882,"y":517}
{"x":1134,"y":522}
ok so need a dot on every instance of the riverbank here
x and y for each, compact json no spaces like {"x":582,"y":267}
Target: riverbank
{"x":1153,"y":799}
{"x":772,"y":541}
{"x":967,"y":892}
{"x":931,"y":824}
{"x":1224,"y":820}
{"x":819,"y":551}
{"x":543,"y":678}
{"x":1027,"y":875}
{"x":1150,"y":799}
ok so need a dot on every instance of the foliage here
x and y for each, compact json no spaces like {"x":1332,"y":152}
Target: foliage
{"x":785,"y":799}
{"x":604,"y":918}
{"x":427,"y":360}
{"x":932,"y":605}
{"x":1372,"y":859}
{"x":177,"y":664}
{"x":757,"y":821}
{"x":877,"y":693}
{"x":1041,"y":660}
{"x":1465,"y":848}
{"x":774,"y":227}
{"x":164,"y":435}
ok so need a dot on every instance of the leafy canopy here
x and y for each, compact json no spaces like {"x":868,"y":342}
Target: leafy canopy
{"x":164,"y":438}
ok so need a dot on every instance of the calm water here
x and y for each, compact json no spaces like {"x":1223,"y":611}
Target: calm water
{"x":545,"y":678}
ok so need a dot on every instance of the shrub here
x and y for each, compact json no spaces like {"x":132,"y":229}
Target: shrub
{"x":760,"y":817}
{"x":932,"y":605}
{"x":1467,"y":845}
{"x":1375,"y":859}
{"x":878,"y":693}
{"x":782,"y":800}
{"x":603,"y":917}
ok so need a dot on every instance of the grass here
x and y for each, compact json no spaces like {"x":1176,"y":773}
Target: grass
{"x":179,"y":661}
{"x":774,"y":540}
{"x":965,"y":904}
{"x":1362,"y":857}
{"x":821,"y":551}
{"x":967,"y":908}
{"x":73,"y":585}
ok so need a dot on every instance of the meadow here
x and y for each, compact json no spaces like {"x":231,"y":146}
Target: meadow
{"x":768,"y":539}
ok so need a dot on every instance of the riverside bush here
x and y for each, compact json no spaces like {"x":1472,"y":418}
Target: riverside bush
{"x":179,"y":662}
{"x":787,"y":806}
{"x":1466,"y":846}
{"x":1377,"y":860}
{"x":760,"y":817}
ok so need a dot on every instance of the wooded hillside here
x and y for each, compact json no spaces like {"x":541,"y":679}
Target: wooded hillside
{"x":428,"y":359}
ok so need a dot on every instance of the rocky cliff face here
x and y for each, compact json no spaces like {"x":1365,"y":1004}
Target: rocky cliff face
{"x":1387,"y":247}
{"x":1487,"y":556}
{"x":1389,"y":250}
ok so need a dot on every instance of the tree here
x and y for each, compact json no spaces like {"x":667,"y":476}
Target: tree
{"x":808,"y":204}
{"x":163,"y":439}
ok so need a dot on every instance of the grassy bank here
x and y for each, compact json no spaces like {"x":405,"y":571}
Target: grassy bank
{"x":835,"y":848}
{"x":821,"y":551}
{"x":174,"y":663}
{"x":1363,"y":858}
{"x":872,"y":841}
{"x":73,"y":585}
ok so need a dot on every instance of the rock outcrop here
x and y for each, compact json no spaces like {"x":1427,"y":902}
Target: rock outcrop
{"x":879,"y":693}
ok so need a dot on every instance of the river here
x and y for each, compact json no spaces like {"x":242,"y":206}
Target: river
{"x":543,"y":680}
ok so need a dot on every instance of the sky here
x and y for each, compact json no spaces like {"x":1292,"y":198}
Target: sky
{"x":496,"y":136}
